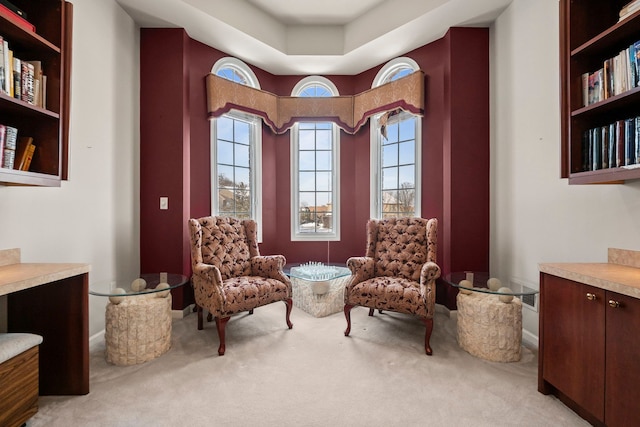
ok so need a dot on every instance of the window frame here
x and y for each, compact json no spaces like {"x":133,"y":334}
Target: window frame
{"x":296,"y":235}
{"x":255,"y":145}
{"x":375,"y":140}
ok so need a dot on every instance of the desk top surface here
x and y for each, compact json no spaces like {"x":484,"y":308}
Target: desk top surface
{"x":20,"y":276}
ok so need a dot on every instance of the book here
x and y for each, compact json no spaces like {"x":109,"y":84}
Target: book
{"x":27,"y":162}
{"x":604,"y":138}
{"x":8,"y":155}
{"x":612,"y":145}
{"x":585,"y":89}
{"x":22,"y":148}
{"x":3,"y":133}
{"x":27,"y":82}
{"x":629,"y":140}
{"x":17,"y":78}
{"x":620,"y":143}
{"x":2,"y":67}
{"x":629,"y":9}
{"x":11,"y":138}
{"x":5,"y":48}
{"x":16,"y":19}
{"x":637,"y":148}
{"x":37,"y":82}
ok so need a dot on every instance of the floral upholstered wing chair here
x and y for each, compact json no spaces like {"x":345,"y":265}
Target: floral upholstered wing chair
{"x":398,"y":272}
{"x":229,"y":275}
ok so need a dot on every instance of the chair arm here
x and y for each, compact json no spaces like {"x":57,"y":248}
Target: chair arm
{"x":270,"y":266}
{"x":207,"y":286}
{"x":428,"y":275}
{"x":362,"y":268}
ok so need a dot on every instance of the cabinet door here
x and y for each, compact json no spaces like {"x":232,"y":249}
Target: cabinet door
{"x":623,"y":361}
{"x":572,"y":341}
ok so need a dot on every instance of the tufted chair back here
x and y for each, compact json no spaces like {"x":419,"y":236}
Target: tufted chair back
{"x":228,"y":243}
{"x":400,"y":246}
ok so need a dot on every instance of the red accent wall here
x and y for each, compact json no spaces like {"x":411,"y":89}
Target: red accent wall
{"x":175,"y":155}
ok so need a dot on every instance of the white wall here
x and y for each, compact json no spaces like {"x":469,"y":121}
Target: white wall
{"x":93,"y":217}
{"x":536,"y":216}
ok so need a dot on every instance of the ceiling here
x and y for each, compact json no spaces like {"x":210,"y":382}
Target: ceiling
{"x":304,"y":37}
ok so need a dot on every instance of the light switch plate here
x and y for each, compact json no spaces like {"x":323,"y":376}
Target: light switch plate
{"x":164,"y":203}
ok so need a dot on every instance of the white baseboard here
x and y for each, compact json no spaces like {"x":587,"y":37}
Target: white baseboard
{"x":179,"y":314}
{"x":529,"y":339}
{"x":96,"y":340}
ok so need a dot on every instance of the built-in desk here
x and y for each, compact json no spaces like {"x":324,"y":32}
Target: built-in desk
{"x":51,"y":300}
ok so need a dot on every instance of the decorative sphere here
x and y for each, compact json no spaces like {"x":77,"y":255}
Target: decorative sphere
{"x":505,"y":298}
{"x":494,"y":284}
{"x":163,"y":294}
{"x":466,"y":284}
{"x":115,"y":299}
{"x":138,"y":285}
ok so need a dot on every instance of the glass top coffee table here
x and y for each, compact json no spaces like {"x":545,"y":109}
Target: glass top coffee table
{"x":318,"y":288}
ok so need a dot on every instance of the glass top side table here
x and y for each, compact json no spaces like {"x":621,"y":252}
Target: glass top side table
{"x":143,"y":284}
{"x":479,"y":283}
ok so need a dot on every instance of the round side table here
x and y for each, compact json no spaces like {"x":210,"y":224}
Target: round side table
{"x":488,"y":327}
{"x":138,"y":320}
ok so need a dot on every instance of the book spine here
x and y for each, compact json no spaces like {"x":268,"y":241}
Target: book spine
{"x":620,"y":143}
{"x":11,"y":138}
{"x":637,"y":148}
{"x":612,"y":145}
{"x":3,"y":67}
{"x":27,"y":161}
{"x":629,"y":142}
{"x":17,"y":78}
{"x":3,"y":135}
{"x":604,"y":137}
{"x":8,"y":157}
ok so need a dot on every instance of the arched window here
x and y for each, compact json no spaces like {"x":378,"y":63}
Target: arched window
{"x":315,"y":183}
{"x":395,"y":152}
{"x":236,"y":155}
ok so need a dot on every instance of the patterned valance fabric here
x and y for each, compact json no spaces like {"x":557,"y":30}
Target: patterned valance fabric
{"x":349,"y":112}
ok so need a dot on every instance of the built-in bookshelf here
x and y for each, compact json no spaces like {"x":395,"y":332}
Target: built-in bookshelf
{"x":600,"y":90}
{"x":35,"y":89}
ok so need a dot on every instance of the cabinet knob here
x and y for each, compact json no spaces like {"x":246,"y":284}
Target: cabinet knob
{"x":591,"y":297}
{"x":614,"y":304}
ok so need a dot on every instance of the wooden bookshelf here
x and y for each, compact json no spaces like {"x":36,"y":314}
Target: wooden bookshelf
{"x":591,"y":33}
{"x":48,"y":125}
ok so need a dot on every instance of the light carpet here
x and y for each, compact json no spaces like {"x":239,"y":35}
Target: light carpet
{"x":311,"y":375}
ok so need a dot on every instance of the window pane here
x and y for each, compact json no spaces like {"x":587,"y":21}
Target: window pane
{"x":323,"y":198}
{"x":307,"y":199}
{"x":224,"y":128}
{"x":242,"y":155}
{"x":323,"y":140}
{"x":389,"y":155}
{"x":407,"y":129}
{"x":407,"y":175}
{"x":407,"y":152}
{"x":307,"y":160}
{"x":225,"y":176}
{"x":307,"y":140}
{"x":323,"y":160}
{"x":241,"y":132}
{"x":225,"y":152}
{"x":307,"y":181}
{"x":323,"y":181}
{"x":392,"y":133}
{"x":389,"y":178}
{"x":242,"y":176}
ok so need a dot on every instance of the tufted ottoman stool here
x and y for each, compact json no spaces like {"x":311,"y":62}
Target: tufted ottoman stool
{"x":489,"y":328}
{"x":138,"y":329}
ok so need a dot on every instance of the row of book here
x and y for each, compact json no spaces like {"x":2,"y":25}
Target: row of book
{"x":15,"y":153}
{"x":617,"y":75}
{"x":612,"y":146}
{"x":21,"y":79}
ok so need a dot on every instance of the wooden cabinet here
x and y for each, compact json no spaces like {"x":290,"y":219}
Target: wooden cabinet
{"x":589,"y":35}
{"x":47,"y":125}
{"x":589,"y":350}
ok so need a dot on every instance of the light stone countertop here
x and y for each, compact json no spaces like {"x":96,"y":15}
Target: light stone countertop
{"x":17,"y":276}
{"x":620,"y":274}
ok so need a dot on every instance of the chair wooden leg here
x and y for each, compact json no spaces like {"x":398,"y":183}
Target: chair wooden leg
{"x":371,"y":312}
{"x":289,"y":303}
{"x":347,"y":314}
{"x":220,"y":325}
{"x":427,"y":347}
{"x":199,"y":310}
{"x":209,"y":317}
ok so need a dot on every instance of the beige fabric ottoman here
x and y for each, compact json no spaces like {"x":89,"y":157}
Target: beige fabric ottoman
{"x":138,"y":329}
{"x":489,"y":328}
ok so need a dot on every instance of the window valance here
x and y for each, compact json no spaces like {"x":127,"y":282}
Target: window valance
{"x":349,"y":112}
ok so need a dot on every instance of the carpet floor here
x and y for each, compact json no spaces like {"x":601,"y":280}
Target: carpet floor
{"x":311,"y":375}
